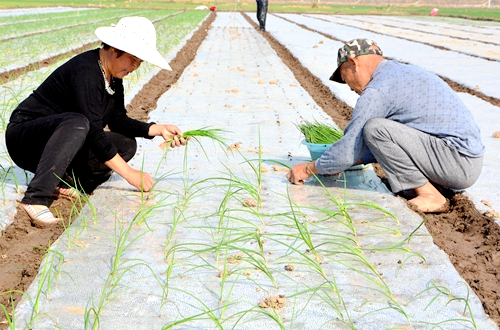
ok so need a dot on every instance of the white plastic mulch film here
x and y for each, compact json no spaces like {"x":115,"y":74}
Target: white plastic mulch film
{"x":224,"y":241}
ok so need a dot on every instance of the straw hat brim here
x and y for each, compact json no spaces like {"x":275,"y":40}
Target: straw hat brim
{"x":109,"y":36}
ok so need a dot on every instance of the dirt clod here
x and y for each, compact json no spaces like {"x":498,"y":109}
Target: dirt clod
{"x":485,"y":202}
{"x":492,"y":214}
{"x":235,"y":259}
{"x":275,"y":302}
{"x":277,"y":168}
{"x":250,"y":203}
{"x":236,"y":145}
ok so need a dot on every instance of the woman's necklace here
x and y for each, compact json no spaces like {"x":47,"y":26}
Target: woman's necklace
{"x":106,"y":83}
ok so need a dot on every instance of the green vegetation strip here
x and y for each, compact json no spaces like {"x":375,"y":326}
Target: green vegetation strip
{"x":19,"y":52}
{"x":22,"y":25}
{"x":473,"y":12}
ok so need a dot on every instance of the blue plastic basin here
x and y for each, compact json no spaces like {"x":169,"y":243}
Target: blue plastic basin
{"x":315,"y":149}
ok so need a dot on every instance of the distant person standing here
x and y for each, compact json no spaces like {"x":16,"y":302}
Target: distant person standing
{"x":262,"y":13}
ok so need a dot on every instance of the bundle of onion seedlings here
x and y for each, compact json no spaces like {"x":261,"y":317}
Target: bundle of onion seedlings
{"x":215,"y":134}
{"x":321,"y":133}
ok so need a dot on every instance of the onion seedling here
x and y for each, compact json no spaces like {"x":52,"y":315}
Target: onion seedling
{"x":214,"y":134}
{"x":321,"y":133}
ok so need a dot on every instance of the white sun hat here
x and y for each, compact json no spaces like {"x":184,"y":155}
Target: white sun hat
{"x":136,"y":36}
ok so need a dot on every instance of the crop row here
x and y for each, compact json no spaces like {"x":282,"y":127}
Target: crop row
{"x":23,"y":27}
{"x":19,"y":52}
{"x":320,"y":258}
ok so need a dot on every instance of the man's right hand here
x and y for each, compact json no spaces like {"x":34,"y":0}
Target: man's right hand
{"x":301,"y":172}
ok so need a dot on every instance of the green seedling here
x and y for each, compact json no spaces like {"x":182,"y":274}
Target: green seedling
{"x":45,"y":276}
{"x":324,"y":292}
{"x":214,"y":134}
{"x":10,"y":317}
{"x":303,"y":229}
{"x":321,"y":133}
{"x":206,"y":313}
{"x":444,"y":291}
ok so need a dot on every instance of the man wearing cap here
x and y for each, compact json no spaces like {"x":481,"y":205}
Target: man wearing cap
{"x":406,"y":119}
{"x":58,"y":131}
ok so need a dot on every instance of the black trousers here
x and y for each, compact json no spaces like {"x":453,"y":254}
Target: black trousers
{"x":262,"y":13}
{"x":54,"y":149}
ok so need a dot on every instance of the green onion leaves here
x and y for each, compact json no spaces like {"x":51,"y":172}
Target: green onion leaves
{"x":321,"y":133}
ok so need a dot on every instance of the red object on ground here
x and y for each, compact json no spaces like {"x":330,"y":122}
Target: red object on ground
{"x":434,"y":12}
{"x":212,"y":8}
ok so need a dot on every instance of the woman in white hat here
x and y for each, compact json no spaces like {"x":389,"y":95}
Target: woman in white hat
{"x":58,"y":131}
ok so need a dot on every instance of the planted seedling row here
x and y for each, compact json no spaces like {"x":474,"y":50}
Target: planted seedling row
{"x":268,"y":263}
{"x":51,"y":22}
{"x":20,"y":52}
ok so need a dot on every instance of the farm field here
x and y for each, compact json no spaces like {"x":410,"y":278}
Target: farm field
{"x":343,"y":253}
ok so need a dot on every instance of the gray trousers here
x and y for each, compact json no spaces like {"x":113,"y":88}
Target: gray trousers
{"x":411,"y":158}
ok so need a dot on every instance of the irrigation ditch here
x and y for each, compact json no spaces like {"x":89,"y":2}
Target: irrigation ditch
{"x":471,"y":239}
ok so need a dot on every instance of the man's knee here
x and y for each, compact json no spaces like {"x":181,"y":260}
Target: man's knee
{"x":373,"y":127}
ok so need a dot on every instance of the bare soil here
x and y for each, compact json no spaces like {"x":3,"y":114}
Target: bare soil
{"x":471,"y":239}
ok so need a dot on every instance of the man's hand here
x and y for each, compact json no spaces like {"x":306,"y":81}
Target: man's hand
{"x":301,"y":172}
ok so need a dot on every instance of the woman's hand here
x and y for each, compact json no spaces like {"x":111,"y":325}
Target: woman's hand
{"x":301,"y":172}
{"x":141,"y":180}
{"x":170,"y":133}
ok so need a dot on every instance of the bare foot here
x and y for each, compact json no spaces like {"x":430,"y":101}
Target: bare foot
{"x":429,"y":199}
{"x":429,"y":204}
